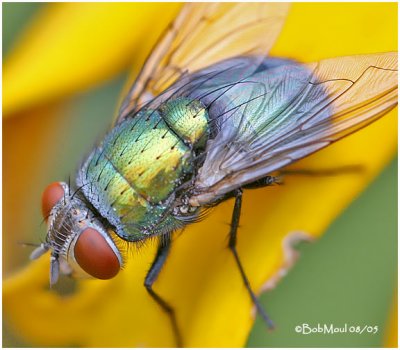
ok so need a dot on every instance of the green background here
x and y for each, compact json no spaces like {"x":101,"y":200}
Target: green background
{"x":348,"y":276}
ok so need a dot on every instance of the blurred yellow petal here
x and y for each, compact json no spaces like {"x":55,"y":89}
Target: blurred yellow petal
{"x":201,"y":280}
{"x":72,"y":46}
{"x":21,"y":170}
{"x":391,"y":339}
{"x":97,"y":315}
{"x":347,"y":30}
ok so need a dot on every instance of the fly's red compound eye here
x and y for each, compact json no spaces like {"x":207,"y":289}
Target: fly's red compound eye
{"x":51,"y":195}
{"x":95,"y":256}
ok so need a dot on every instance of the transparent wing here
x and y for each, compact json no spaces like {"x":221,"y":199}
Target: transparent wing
{"x":266,"y":116}
{"x":201,"y":35}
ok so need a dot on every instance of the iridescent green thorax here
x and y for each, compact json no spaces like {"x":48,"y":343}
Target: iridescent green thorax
{"x":131,"y":178}
{"x":188,"y":119}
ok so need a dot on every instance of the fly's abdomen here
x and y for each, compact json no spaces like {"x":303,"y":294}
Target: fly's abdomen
{"x":131,"y":176}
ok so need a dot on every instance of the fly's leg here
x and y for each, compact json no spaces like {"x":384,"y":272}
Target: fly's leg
{"x":278,"y":180}
{"x":232,"y":246}
{"x":263,"y":182}
{"x":151,"y":277}
{"x":346,"y":169}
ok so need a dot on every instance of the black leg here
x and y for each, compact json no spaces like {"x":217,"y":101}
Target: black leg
{"x":232,"y":246}
{"x":151,"y":277}
{"x":263,"y":182}
{"x":278,"y":180}
{"x":341,"y":170}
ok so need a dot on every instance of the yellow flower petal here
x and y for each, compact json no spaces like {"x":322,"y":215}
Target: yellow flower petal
{"x":343,"y":29}
{"x":72,"y":46}
{"x":201,"y":280}
{"x":391,"y":336}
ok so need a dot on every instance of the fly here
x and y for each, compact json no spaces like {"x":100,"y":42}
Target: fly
{"x":209,"y":115}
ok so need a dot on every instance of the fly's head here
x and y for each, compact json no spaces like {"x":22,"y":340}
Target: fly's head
{"x":79,"y":243}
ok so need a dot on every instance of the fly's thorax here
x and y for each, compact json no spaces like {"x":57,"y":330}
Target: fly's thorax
{"x":79,"y":242}
{"x":133,"y":177}
{"x":188,"y":118}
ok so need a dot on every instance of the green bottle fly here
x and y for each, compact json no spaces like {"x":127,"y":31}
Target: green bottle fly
{"x":133,"y":175}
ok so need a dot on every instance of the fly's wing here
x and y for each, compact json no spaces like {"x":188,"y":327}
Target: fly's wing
{"x":201,"y":35}
{"x":267,"y":116}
